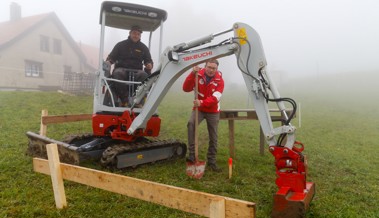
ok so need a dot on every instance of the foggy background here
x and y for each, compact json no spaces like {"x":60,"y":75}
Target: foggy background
{"x":300,"y":37}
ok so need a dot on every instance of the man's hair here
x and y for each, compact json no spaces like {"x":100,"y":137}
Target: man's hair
{"x":213,"y":61}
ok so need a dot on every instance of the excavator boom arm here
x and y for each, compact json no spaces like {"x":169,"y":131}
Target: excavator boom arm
{"x":247,"y":47}
{"x":291,"y":165}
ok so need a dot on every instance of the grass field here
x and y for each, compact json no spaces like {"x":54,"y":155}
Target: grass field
{"x":339,"y":127}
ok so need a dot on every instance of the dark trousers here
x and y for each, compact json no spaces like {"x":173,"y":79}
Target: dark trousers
{"x":212,"y":120}
{"x":126,"y":91}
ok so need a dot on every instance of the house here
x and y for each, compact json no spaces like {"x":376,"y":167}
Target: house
{"x":37,"y":52}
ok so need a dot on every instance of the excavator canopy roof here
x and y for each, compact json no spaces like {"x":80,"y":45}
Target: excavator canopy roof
{"x":125,"y":15}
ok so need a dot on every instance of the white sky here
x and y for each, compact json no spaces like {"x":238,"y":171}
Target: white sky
{"x":300,"y":37}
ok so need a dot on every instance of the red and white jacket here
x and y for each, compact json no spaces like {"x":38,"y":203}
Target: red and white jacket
{"x":208,"y":94}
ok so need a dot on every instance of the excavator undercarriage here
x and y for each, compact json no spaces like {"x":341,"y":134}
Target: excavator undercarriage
{"x":76,"y":149}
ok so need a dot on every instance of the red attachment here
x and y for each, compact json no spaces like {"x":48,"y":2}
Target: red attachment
{"x":230,"y":161}
{"x":294,"y":193}
{"x":290,"y":167}
{"x":117,"y":126}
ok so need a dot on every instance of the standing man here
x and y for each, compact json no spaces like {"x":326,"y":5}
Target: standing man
{"x":211,"y":86}
{"x":130,"y":54}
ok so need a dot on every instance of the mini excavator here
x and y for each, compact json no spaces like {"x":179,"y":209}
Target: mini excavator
{"x":121,"y":135}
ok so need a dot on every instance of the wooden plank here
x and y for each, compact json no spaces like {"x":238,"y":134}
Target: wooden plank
{"x":252,"y":115}
{"x":225,"y":115}
{"x":249,"y":114}
{"x":174,"y":197}
{"x":56,"y":176}
{"x":251,"y":110}
{"x":65,"y":118}
{"x":239,"y":208}
{"x":43,"y":127}
{"x":238,"y":118}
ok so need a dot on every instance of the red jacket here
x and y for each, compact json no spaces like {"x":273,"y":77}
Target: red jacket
{"x":210,"y":94}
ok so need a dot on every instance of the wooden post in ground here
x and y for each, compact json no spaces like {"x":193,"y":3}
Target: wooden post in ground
{"x":231,"y":139}
{"x":217,"y":208}
{"x":43,"y":128}
{"x":56,"y":176}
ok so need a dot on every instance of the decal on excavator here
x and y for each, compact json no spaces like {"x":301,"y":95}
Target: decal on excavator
{"x":196,"y":56}
{"x":241,"y":33}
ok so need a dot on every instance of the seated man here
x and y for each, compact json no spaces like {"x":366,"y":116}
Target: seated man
{"x":129,"y":56}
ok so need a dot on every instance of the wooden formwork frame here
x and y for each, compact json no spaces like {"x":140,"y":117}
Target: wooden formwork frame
{"x":187,"y":200}
{"x":200,"y":203}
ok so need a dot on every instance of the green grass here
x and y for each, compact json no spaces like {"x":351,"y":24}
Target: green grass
{"x":339,"y":130}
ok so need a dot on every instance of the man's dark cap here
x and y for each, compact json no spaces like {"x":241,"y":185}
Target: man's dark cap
{"x":136,"y":28}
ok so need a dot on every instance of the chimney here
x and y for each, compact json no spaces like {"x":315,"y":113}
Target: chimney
{"x":15,"y":11}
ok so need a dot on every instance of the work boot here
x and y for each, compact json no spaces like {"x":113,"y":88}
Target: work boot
{"x":213,"y":167}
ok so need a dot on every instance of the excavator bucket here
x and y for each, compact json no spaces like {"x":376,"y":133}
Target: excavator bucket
{"x":195,"y":169}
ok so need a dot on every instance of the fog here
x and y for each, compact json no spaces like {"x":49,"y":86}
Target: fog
{"x":300,"y":37}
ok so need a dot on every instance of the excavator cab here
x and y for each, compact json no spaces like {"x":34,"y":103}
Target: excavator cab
{"x":109,"y":142}
{"x":123,"y":16}
{"x":107,"y":105}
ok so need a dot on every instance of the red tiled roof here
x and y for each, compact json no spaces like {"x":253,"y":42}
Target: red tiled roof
{"x":11,"y":30}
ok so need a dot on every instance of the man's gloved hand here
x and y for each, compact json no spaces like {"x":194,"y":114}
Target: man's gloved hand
{"x":107,"y":68}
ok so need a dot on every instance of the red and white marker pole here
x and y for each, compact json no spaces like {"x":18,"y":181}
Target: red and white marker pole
{"x":230,"y":167}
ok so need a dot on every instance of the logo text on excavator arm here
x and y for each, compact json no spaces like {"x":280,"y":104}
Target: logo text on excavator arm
{"x":196,"y":56}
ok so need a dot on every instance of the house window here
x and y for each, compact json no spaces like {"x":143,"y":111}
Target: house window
{"x":33,"y":69}
{"x":57,"y":46}
{"x":44,"y":43}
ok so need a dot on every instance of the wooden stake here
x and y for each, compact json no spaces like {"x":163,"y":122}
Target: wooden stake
{"x":43,"y":128}
{"x":56,"y":176}
{"x":217,"y":208}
